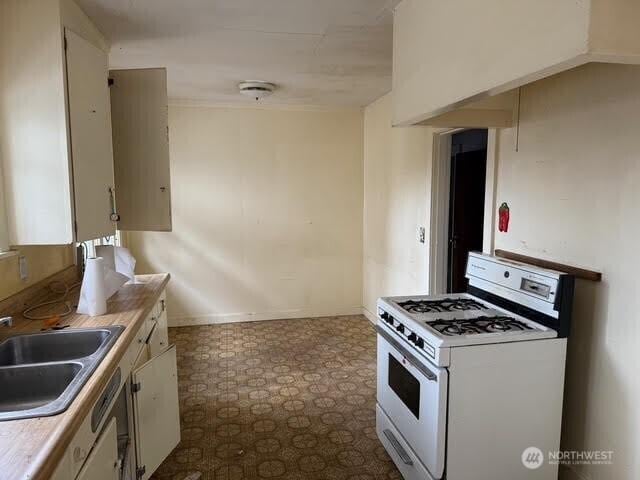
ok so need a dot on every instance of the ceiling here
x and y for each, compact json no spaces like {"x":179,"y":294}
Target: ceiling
{"x":318,"y":52}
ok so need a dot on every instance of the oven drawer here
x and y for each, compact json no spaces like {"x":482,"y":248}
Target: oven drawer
{"x":399,"y":451}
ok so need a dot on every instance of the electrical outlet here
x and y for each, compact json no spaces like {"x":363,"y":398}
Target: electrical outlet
{"x":421,"y":234}
{"x":24,"y":270}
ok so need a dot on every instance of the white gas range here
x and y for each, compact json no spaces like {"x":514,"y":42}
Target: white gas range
{"x":468,"y":382}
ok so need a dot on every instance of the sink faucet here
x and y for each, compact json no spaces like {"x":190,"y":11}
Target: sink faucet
{"x":6,"y":321}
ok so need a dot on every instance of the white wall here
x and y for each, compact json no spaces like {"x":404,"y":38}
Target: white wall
{"x":397,"y":172}
{"x":267,"y":210}
{"x":267,"y":215}
{"x":42,"y":262}
{"x":574,"y":193}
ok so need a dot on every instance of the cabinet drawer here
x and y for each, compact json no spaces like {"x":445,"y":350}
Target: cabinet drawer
{"x":158,"y":341}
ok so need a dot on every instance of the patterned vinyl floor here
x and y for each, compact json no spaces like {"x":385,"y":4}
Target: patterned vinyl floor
{"x":282,"y":399}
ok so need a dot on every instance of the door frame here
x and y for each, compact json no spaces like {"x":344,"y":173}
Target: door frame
{"x":440,"y":190}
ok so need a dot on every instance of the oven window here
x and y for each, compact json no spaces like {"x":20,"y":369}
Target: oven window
{"x":405,"y":385}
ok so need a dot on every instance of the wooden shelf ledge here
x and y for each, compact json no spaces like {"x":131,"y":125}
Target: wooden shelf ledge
{"x":538,"y":262}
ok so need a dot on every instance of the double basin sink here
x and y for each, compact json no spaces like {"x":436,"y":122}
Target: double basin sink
{"x":41,"y":373}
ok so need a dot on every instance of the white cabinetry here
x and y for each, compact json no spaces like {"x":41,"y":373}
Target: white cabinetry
{"x":144,"y":410}
{"x":56,"y":145}
{"x":159,"y":338}
{"x":90,"y":131}
{"x":141,"y":148}
{"x":154,"y":381}
{"x":55,"y":138}
{"x":156,"y":414}
{"x":102,"y":463}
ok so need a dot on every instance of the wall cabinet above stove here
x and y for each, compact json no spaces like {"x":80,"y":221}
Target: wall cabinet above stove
{"x":450,"y":58}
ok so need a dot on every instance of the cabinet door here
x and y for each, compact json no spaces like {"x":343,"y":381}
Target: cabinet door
{"x":90,"y":133}
{"x":102,"y":463}
{"x":160,"y":336}
{"x":141,"y":148}
{"x":156,"y":414}
{"x":63,"y":470}
{"x":143,"y":357}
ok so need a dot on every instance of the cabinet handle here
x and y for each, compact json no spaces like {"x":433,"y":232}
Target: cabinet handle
{"x":79,"y":454}
{"x":112,"y":201}
{"x":163,"y":189}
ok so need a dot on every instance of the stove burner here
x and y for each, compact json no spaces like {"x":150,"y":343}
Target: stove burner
{"x":473,"y":326}
{"x":441,"y":306}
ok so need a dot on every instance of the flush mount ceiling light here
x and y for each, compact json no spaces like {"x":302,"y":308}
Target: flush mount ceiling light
{"x":256,"y":88}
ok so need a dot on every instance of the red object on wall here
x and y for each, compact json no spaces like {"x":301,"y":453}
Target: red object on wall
{"x":503,"y":216}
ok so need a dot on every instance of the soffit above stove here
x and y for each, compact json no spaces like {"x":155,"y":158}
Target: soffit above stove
{"x":451,"y":58}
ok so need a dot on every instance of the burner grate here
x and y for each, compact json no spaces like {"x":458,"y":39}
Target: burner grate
{"x":478,"y":325}
{"x":441,"y":306}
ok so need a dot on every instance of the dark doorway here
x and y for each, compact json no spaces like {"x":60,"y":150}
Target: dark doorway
{"x":466,"y":203}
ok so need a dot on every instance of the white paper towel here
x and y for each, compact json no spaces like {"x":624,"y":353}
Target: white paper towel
{"x":93,"y":299}
{"x":125,"y":262}
{"x":107,"y":252}
{"x":98,"y":284}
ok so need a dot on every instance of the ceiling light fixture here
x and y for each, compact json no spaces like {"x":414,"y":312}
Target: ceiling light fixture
{"x":256,"y":88}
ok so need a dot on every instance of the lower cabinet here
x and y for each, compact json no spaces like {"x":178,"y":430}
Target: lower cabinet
{"x":159,"y":337}
{"x":155,"y":411}
{"x":141,"y":425}
{"x":102,"y":463}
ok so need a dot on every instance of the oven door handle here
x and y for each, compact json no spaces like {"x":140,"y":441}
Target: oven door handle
{"x":402,"y":453}
{"x":407,"y":354}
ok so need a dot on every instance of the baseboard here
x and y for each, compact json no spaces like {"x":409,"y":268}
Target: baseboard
{"x":217,"y":319}
{"x":370,"y":316}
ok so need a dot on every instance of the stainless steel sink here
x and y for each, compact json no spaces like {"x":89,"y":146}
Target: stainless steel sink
{"x":51,"y":346}
{"x":41,"y":373}
{"x":31,"y":386}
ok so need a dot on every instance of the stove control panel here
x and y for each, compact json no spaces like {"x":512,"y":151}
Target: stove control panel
{"x":526,"y":285}
{"x":411,"y":337}
{"x":537,"y":288}
{"x":547,"y":293}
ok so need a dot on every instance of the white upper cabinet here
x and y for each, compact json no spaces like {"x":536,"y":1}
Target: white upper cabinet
{"x":33,"y":134}
{"x":452,"y":56}
{"x":141,"y":148}
{"x":49,"y":126}
{"x":60,"y":184}
{"x":90,"y":129}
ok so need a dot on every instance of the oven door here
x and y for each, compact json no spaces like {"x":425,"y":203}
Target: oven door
{"x":413,"y":394}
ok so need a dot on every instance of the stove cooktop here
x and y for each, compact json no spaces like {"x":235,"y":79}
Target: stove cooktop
{"x":434,"y":323}
{"x":478,"y":325}
{"x":441,"y":305}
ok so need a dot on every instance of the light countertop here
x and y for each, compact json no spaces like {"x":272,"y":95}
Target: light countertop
{"x":32,"y":448}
